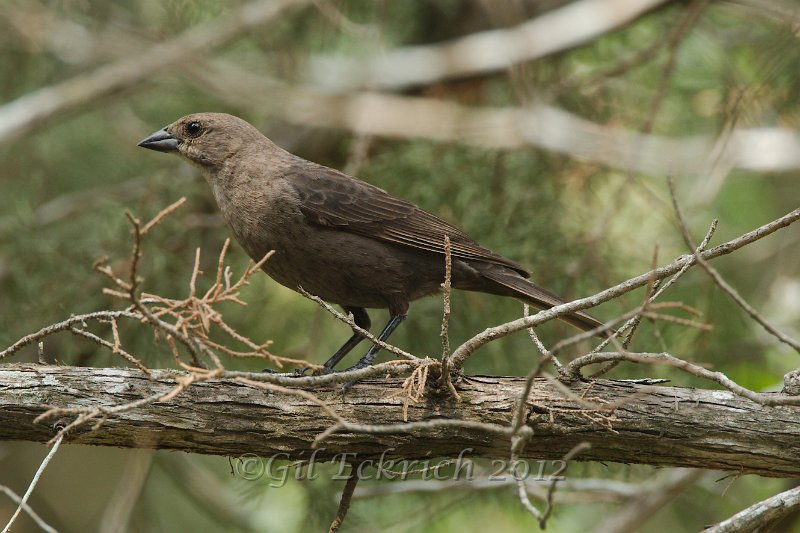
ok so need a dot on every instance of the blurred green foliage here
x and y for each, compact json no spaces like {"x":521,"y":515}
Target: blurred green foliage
{"x":579,"y":226}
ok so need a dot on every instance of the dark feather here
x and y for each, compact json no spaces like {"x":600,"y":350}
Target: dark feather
{"x":330,"y":198}
{"x":538,"y":297}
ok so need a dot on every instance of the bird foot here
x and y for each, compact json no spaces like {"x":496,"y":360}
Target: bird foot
{"x":309,"y":371}
{"x":301,"y":372}
{"x":363,"y":363}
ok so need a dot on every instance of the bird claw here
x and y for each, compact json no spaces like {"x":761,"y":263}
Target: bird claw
{"x":304,"y":371}
{"x":347,"y":385}
{"x":300,"y":372}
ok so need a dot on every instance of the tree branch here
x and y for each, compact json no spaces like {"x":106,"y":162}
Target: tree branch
{"x":664,"y":426}
{"x":488,"y":51}
{"x":762,"y":515}
{"x":26,"y":112}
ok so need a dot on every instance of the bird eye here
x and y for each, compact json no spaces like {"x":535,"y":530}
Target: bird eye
{"x":194,"y":129}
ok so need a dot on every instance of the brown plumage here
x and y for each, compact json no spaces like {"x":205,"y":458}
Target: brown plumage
{"x":336,"y":236}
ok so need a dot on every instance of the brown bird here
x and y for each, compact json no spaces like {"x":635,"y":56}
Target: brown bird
{"x":337,"y":237}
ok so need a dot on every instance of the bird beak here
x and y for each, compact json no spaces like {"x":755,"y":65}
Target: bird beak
{"x":160,"y":141}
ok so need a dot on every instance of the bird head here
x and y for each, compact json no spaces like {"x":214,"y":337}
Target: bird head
{"x":207,"y":139}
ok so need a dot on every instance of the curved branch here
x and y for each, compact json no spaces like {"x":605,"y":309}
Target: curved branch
{"x":761,"y":516}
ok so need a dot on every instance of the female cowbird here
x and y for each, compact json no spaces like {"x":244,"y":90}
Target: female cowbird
{"x":336,"y":236}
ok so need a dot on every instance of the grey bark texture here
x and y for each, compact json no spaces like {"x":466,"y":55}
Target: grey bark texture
{"x":655,"y":425}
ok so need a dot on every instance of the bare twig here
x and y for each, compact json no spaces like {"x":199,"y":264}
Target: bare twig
{"x":44,"y":526}
{"x":467,"y":348}
{"x":446,"y":287}
{"x":194,"y":315}
{"x":445,"y":379}
{"x":718,"y":279}
{"x":114,"y":347}
{"x":761,"y":516}
{"x":573,"y":369}
{"x":526,"y":311}
{"x":522,"y":494}
{"x":347,"y":496}
{"x":293,"y":392}
{"x":23,"y":502}
{"x":657,"y":290}
{"x":521,"y":433}
{"x":65,"y":325}
{"x":556,"y":477}
{"x":161,"y":214}
{"x":292,"y":380}
{"x":352,"y":323}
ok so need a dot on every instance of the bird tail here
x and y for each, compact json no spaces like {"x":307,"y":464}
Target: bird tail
{"x":521,"y":288}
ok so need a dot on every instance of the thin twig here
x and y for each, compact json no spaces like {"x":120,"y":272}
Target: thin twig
{"x":292,"y":380}
{"x":66,"y":325}
{"x":556,"y":477}
{"x":658,"y":289}
{"x":718,"y":279}
{"x":347,"y":496}
{"x":490,"y":334}
{"x":164,"y":212}
{"x":762,"y":516}
{"x":445,"y":379}
{"x":44,"y":526}
{"x":526,"y":311}
{"x":352,"y":323}
{"x":114,"y":347}
{"x":573,"y":369}
{"x":34,"y":481}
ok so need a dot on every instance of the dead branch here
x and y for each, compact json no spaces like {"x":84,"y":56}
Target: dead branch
{"x":347,"y":495}
{"x":13,"y":496}
{"x":572,"y":371}
{"x":718,"y":279}
{"x":762,"y":515}
{"x":23,"y":502}
{"x":665,"y":426}
{"x":461,"y":353}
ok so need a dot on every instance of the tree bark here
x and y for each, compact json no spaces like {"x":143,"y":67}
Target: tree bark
{"x":655,"y":425}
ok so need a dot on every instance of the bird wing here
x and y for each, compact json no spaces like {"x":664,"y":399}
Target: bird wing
{"x":333,"y":199}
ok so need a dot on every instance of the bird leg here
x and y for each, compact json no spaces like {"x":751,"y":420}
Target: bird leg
{"x":361,"y":318}
{"x":365,"y":361}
